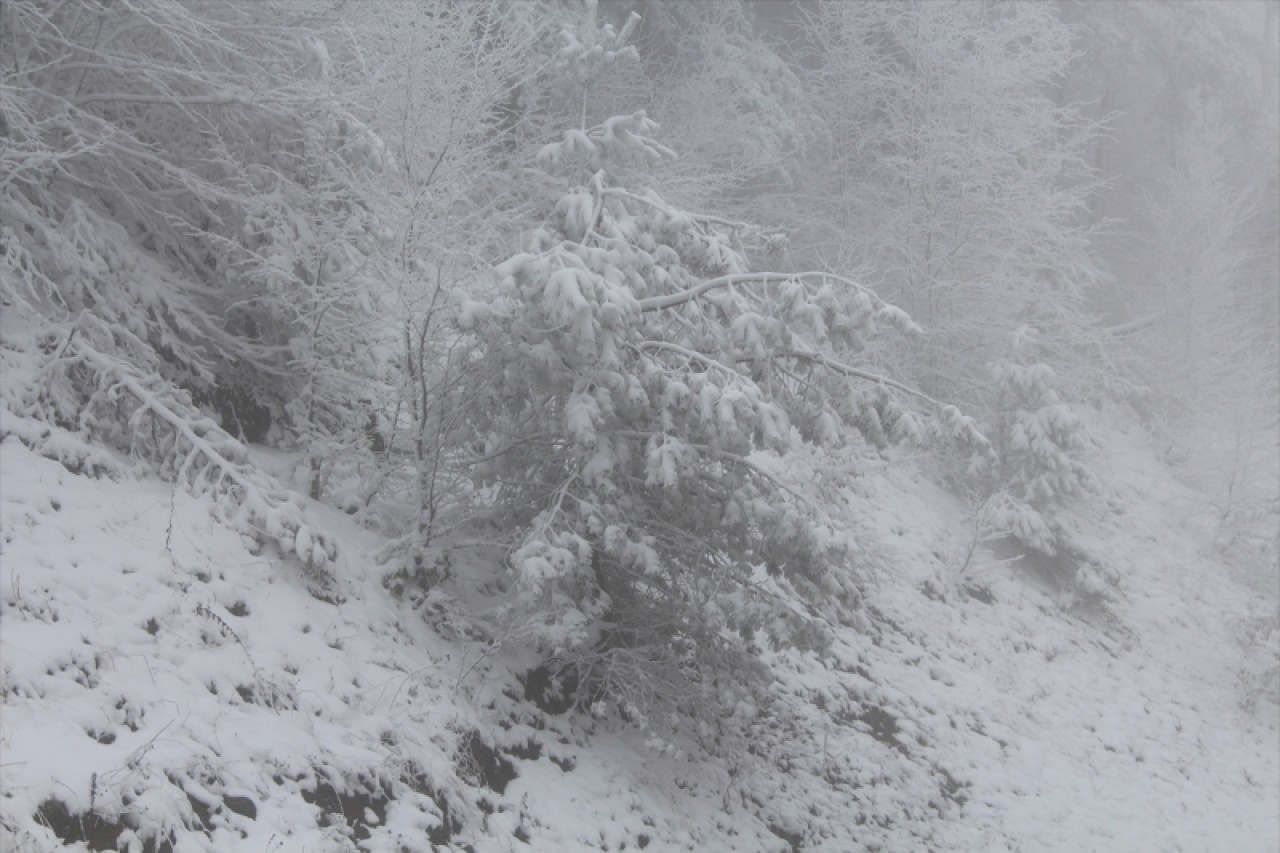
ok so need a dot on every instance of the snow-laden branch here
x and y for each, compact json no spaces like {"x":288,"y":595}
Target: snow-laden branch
{"x":1134,"y":325}
{"x":725,"y":455}
{"x":801,"y":355}
{"x":196,"y":452}
{"x":857,"y":373}
{"x":692,"y":355}
{"x":671,"y":300}
{"x":172,"y":100}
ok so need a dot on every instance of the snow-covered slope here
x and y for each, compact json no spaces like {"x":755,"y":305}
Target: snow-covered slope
{"x":168,"y":685}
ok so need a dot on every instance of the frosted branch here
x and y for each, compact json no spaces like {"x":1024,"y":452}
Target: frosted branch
{"x":671,"y":300}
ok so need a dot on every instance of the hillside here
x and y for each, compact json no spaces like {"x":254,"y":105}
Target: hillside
{"x":166,"y":681}
{"x":733,"y":425}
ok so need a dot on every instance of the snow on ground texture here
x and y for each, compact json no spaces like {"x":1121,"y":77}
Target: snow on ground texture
{"x":197,"y":685}
{"x":1121,"y":730}
{"x":153,"y":665}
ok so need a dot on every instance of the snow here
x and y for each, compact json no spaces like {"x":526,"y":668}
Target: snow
{"x":152,"y":659}
{"x":781,"y":646}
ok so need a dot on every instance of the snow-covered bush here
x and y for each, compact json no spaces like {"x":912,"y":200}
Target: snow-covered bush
{"x":657,"y":425}
{"x":102,"y":385}
{"x":1037,"y":440}
{"x":109,"y":169}
{"x":184,"y":218}
{"x":209,"y":182}
{"x":1032,"y":471}
{"x":303,"y":266}
{"x":191,"y":173}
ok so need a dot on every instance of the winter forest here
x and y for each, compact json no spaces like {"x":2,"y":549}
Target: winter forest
{"x":558,"y":425}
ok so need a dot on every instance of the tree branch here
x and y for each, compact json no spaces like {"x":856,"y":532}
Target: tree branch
{"x":171,"y":100}
{"x":1134,"y":325}
{"x":849,"y":370}
{"x":670,"y":300}
{"x":728,"y":456}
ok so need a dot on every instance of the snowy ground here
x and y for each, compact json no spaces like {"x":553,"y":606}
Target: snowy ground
{"x":164,"y":683}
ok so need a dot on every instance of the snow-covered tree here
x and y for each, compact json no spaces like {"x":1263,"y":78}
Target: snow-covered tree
{"x":151,"y":169}
{"x":1212,"y":331}
{"x":1033,"y":465}
{"x":304,"y":267}
{"x":657,"y":426}
{"x":583,"y":68}
{"x":727,"y":99}
{"x":1191,"y":165}
{"x":111,"y":141}
{"x":442,"y":98}
{"x":951,"y":173}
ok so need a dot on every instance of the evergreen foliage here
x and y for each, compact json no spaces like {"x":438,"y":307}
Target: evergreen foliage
{"x":300,"y":219}
{"x":1034,"y":467}
{"x":659,"y":421}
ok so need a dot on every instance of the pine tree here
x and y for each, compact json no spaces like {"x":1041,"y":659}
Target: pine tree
{"x":657,"y":425}
{"x":1034,"y":465}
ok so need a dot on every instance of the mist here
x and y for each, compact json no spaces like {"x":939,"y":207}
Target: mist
{"x":732,"y":425}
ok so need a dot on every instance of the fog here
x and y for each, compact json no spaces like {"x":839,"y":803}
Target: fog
{"x":640,"y":425}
